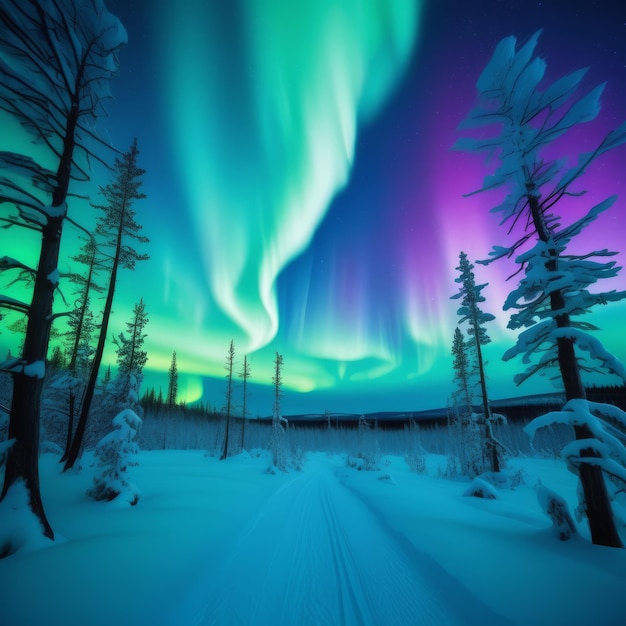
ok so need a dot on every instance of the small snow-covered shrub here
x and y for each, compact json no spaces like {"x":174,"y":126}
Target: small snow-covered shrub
{"x":480,"y":488}
{"x":115,"y":454}
{"x":416,"y":460}
{"x":465,"y":449}
{"x":367,"y":450}
{"x":506,"y":479}
{"x":557,"y":510}
{"x":298,"y":459}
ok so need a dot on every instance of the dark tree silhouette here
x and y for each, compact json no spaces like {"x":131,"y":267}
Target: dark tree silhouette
{"x":244,"y":374}
{"x":56,"y":61}
{"x":116,"y":226}
{"x":230,"y":364}
{"x":172,"y":382}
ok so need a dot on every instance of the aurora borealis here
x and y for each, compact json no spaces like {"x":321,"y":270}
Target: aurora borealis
{"x":303,"y":197}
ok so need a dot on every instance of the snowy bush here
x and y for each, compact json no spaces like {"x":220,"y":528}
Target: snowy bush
{"x":368,"y":450}
{"x":115,"y":454}
{"x":466,"y":454}
{"x":278,"y":443}
{"x":557,"y":510}
{"x":416,"y":460}
{"x":480,"y":488}
{"x":297,"y":459}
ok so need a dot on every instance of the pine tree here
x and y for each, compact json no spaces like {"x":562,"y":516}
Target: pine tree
{"x":131,"y":359}
{"x":78,"y":337}
{"x":57,"y":62}
{"x":244,"y":374}
{"x":554,"y":290}
{"x":462,"y":372}
{"x":278,"y":421}
{"x":172,"y":384}
{"x":470,"y":311}
{"x":230,"y":363}
{"x":116,"y":226}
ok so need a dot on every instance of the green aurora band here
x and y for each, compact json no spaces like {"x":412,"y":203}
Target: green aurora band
{"x":266,"y":132}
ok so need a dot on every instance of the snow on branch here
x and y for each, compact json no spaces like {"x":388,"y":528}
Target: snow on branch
{"x":594,"y":348}
{"x":36,"y":369}
{"x":7,"y":302}
{"x":601,"y":447}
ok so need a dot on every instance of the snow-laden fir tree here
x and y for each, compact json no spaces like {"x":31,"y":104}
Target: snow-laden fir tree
{"x":529,"y":116}
{"x":471,"y":298}
{"x":116,"y":452}
{"x":277,"y":443}
{"x":57,"y":58}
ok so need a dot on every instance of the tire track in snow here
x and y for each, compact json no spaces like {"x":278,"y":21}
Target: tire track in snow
{"x":317,"y":555}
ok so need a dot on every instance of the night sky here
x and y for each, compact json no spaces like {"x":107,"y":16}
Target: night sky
{"x":303,"y":197}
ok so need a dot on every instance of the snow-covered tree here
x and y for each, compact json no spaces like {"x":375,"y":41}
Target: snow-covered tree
{"x":277,"y":443}
{"x":116,"y":453}
{"x":530,"y":115}
{"x":466,"y":445}
{"x":172,"y":381}
{"x":57,"y":58}
{"x":470,"y":312}
{"x":117,"y":227}
{"x":228,"y":404}
{"x":131,"y":359}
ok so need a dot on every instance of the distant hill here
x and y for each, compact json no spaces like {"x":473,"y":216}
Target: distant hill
{"x":514,"y":409}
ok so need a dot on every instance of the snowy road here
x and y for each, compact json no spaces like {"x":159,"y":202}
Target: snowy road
{"x":316,"y":554}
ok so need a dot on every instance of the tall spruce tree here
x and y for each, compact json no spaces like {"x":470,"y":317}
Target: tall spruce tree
{"x":530,"y":115}
{"x":228,"y":404}
{"x":278,"y":421}
{"x":56,"y":61}
{"x":462,"y":374}
{"x":244,"y":374}
{"x":172,"y":382}
{"x":470,"y":312}
{"x":118,"y":228}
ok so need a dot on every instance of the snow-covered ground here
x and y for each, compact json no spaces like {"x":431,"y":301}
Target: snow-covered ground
{"x":215,"y":542}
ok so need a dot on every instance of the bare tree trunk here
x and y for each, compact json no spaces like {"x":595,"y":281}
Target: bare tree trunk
{"x":229,"y":396}
{"x":23,"y":457}
{"x":70,"y":425}
{"x":492,"y":446}
{"x":81,"y":426}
